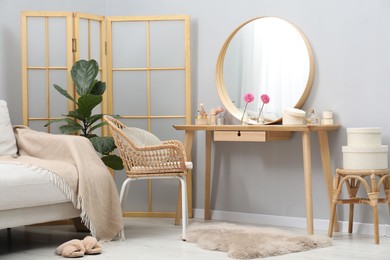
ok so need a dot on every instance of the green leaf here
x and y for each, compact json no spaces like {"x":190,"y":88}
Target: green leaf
{"x":75,"y":114}
{"x":113,"y":161}
{"x":65,"y":119}
{"x":103,"y":145}
{"x":87,"y":103}
{"x":92,"y":119}
{"x":64,"y":93}
{"x":97,"y":126}
{"x":70,"y":129}
{"x":83,"y":74}
{"x":97,"y":88}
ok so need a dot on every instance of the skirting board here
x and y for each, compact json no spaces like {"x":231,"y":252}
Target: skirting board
{"x":293,"y":222}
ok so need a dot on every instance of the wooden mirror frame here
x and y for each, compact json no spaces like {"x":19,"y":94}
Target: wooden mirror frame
{"x":220,"y":84}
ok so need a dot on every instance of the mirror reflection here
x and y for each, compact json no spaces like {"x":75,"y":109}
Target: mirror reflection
{"x":266,"y":55}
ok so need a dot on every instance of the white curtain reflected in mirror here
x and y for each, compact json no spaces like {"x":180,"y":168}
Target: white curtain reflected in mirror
{"x":267,"y":56}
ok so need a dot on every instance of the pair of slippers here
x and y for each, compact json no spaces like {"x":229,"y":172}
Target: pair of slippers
{"x":78,"y":248}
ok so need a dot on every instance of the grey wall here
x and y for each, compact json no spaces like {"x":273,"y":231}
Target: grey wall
{"x":350,"y":42}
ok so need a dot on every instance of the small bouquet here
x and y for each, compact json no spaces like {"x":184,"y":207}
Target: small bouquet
{"x":265,"y":99}
{"x":248,"y":97}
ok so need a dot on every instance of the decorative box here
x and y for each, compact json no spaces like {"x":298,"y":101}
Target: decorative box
{"x":327,"y":121}
{"x":365,"y":157}
{"x":368,"y":136}
{"x":293,"y":116}
{"x":327,"y":114}
{"x":327,"y":118}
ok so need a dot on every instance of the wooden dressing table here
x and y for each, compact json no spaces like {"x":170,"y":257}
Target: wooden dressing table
{"x":265,"y":133}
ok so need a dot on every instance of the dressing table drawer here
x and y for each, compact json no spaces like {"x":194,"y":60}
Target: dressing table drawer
{"x":240,"y":136}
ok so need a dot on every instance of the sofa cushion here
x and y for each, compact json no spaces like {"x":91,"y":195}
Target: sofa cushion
{"x":21,"y":187}
{"x":7,"y":137}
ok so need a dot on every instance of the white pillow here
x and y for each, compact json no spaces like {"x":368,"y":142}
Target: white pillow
{"x":7,"y":137}
{"x":140,"y":137}
{"x":143,"y":138}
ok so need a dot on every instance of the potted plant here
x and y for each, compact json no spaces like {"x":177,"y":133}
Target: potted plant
{"x":81,"y":120}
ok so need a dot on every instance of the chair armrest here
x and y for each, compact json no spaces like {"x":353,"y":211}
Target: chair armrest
{"x":178,"y":143}
{"x":165,"y":158}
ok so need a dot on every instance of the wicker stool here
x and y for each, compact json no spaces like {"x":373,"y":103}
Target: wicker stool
{"x":353,"y":179}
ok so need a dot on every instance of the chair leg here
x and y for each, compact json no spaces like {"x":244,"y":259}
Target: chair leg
{"x":373,"y":196}
{"x":184,"y":206}
{"x":178,"y":207}
{"x":376,"y":224}
{"x":350,"y":220}
{"x":386,"y":184}
{"x":353,"y":188}
{"x":124,"y":191}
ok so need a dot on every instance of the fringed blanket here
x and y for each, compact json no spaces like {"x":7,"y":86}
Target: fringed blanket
{"x":78,"y":171}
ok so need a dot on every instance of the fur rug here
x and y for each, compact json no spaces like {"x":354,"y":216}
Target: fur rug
{"x":247,"y":242}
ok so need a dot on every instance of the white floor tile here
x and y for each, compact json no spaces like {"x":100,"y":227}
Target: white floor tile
{"x":150,"y":238}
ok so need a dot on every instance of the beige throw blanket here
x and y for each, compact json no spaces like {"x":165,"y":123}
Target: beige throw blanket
{"x":79,"y":172}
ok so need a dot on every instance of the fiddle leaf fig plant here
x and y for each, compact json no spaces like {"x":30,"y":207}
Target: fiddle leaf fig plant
{"x":82,"y":120}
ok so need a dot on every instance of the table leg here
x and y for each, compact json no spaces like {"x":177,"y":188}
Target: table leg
{"x":308,"y":181}
{"x":326,"y":168}
{"x":207,"y":215}
{"x":188,"y":140}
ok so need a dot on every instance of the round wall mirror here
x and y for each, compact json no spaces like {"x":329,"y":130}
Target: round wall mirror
{"x":265,"y":55}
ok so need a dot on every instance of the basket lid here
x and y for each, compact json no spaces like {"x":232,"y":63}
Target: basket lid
{"x":364,"y":130}
{"x":294,"y":112}
{"x":365,"y":149}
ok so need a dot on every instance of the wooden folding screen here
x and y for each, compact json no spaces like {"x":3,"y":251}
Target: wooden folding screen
{"x":145,"y":62}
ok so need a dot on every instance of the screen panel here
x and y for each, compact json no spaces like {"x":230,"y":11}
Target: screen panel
{"x":148,"y":71}
{"x":46,"y":38}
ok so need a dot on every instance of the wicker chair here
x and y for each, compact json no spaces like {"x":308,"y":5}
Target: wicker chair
{"x":352,"y":180}
{"x":146,"y":157}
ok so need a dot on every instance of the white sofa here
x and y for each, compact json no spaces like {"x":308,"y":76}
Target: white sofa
{"x":27,"y":196}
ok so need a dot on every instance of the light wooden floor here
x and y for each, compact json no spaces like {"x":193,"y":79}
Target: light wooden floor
{"x":160,"y":239}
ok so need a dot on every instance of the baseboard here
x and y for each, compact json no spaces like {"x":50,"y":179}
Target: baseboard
{"x":293,"y":222}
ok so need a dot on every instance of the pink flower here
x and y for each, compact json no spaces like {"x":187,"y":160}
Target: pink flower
{"x":249,"y":97}
{"x":264,"y":98}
